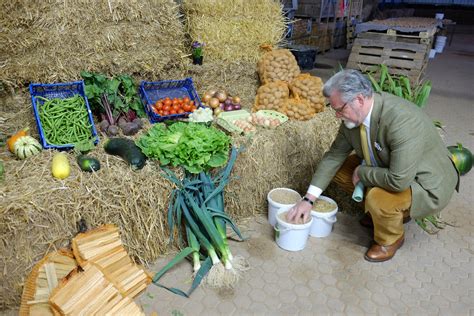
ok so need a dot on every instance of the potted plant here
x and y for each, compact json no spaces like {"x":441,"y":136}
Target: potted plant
{"x":197,"y":52}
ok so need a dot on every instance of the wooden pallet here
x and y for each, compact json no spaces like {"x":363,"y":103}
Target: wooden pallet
{"x":422,"y":37}
{"x":401,"y":58}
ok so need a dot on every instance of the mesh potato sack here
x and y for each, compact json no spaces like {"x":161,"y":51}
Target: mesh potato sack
{"x":309,"y":88}
{"x":272,"y":96}
{"x":299,"y":109}
{"x":279,"y":64}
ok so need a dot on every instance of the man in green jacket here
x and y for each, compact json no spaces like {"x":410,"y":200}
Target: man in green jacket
{"x":399,"y":158}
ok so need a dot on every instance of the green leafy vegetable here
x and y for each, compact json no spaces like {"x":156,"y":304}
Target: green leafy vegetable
{"x":193,"y":146}
{"x":120,"y":91}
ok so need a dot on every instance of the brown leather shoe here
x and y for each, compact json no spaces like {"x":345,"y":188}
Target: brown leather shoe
{"x":366,"y":221}
{"x":378,"y":253}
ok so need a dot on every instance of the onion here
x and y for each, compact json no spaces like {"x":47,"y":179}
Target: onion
{"x":212,"y":92}
{"x":236,"y":100}
{"x":221,"y":106}
{"x":228,"y":107}
{"x":217,"y":111}
{"x":228,"y":102}
{"x":237,"y":106}
{"x":213,"y":103}
{"x":206,"y":97}
{"x":222,"y":96}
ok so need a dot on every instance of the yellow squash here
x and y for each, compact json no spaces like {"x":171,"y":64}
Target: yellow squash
{"x":60,"y":166}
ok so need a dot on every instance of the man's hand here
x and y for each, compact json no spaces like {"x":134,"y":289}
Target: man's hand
{"x":302,"y":209}
{"x":355,"y":176}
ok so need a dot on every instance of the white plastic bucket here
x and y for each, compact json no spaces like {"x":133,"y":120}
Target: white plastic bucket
{"x":273,"y":206}
{"x":439,"y":16}
{"x":323,"y":222}
{"x":291,"y":237}
{"x":432,"y":53}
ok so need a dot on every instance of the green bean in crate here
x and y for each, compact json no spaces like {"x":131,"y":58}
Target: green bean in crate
{"x":64,"y":121}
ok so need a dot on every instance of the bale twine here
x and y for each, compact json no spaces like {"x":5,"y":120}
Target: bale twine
{"x":234,"y":29}
{"x":52,"y":41}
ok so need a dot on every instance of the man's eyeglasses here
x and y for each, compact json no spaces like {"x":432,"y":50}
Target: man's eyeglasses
{"x":339,"y":111}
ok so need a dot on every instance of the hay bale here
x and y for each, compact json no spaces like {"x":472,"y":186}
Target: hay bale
{"x":42,"y":212}
{"x":51,"y":41}
{"x":234,"y":29}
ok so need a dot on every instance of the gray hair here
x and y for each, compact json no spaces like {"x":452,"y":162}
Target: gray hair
{"x":349,"y":83}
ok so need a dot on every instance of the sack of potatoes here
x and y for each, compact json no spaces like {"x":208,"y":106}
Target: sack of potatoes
{"x":299,"y":109}
{"x":272,"y":96}
{"x":309,"y":88}
{"x":279,"y":64}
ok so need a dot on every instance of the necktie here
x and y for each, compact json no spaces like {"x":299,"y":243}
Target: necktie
{"x":365,"y":145}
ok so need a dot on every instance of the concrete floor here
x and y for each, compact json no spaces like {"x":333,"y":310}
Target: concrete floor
{"x":430,"y":275}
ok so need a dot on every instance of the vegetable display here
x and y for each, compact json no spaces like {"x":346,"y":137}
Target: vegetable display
{"x":168,"y":106}
{"x":12,"y":139}
{"x":127,"y":150}
{"x":27,"y":146}
{"x":198,"y":204}
{"x":279,"y":64}
{"x":221,"y":101}
{"x":194,"y":146}
{"x":462,"y":158}
{"x":202,"y":115}
{"x":60,"y":167}
{"x":115,"y":101}
{"x":65,"y":121}
{"x":87,"y":163}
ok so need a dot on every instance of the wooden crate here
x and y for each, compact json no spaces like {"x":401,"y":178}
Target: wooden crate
{"x":401,"y":57}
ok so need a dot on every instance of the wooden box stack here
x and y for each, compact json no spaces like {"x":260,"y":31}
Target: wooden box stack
{"x":91,"y":293}
{"x":103,"y":247}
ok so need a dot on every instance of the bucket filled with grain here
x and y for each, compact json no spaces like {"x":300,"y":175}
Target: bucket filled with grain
{"x":324,"y":216}
{"x":278,"y":198}
{"x":291,"y":236}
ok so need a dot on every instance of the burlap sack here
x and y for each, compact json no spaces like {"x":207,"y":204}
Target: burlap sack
{"x":279,"y":64}
{"x":309,"y":88}
{"x":272,"y":96}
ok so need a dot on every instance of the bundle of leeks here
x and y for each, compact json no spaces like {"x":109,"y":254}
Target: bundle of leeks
{"x":198,"y":204}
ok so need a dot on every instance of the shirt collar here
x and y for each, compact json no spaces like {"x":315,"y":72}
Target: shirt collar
{"x":366,"y":121}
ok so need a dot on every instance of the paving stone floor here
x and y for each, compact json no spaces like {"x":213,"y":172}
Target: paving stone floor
{"x":430,"y":274}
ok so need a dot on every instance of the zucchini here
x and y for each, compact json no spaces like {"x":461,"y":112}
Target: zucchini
{"x":127,"y":150}
{"x":87,"y":163}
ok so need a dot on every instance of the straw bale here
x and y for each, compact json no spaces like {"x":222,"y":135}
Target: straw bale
{"x":234,"y":29}
{"x":51,"y":41}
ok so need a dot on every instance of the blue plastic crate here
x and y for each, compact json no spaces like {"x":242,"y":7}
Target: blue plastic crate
{"x":150,"y":92}
{"x":62,"y":91}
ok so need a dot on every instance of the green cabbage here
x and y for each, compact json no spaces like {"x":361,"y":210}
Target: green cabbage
{"x":193,"y":146}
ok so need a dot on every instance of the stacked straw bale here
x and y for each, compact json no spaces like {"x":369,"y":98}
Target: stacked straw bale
{"x":235,"y":29}
{"x":53,"y":40}
{"x":42,"y":212}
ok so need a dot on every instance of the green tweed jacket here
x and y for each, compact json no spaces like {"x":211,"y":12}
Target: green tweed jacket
{"x":409,"y":153}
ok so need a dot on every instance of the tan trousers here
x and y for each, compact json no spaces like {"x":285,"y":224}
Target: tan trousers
{"x":386,"y":208}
